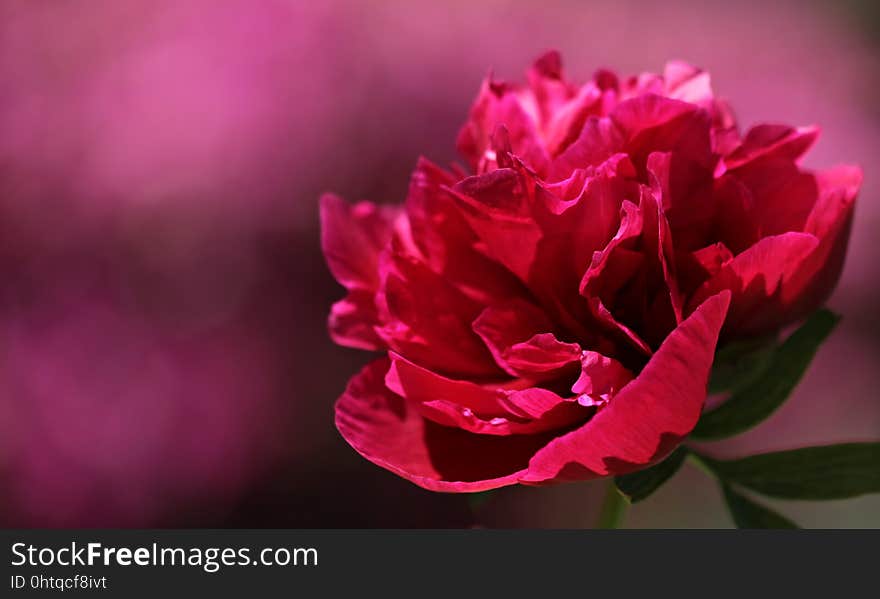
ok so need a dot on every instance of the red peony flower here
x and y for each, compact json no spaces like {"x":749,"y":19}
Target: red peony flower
{"x":555,"y":316}
{"x":743,"y":215}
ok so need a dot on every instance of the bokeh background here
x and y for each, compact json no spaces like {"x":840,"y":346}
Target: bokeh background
{"x":163,"y":353}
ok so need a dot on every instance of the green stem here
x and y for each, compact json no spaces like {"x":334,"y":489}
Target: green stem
{"x":613,"y":508}
{"x":697,"y":461}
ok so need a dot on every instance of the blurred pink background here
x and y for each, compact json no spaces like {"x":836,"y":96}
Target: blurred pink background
{"x":163,"y":353}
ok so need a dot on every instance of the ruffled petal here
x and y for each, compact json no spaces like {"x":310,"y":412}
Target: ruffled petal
{"x":352,"y":238}
{"x":734,"y":206}
{"x":353,"y":321}
{"x":390,"y":432}
{"x":565,"y":124}
{"x":498,"y":210}
{"x":770,"y":141}
{"x":760,"y":280}
{"x":830,"y":222}
{"x":601,"y":378}
{"x":683,"y":187}
{"x":483,"y":409}
{"x":783,"y":196}
{"x":447,"y":243}
{"x":649,"y":416}
{"x":422,"y":385}
{"x":610,"y":270}
{"x":688,"y":83}
{"x":652,"y":123}
{"x":695,"y":268}
{"x":429,"y":320}
{"x":520,"y":337}
{"x":548,"y":86}
{"x":599,"y":139}
{"x":500,"y":104}
{"x":541,"y":357}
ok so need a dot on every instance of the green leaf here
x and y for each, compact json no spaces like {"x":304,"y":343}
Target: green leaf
{"x":738,"y":363}
{"x":763,"y":394}
{"x":823,"y":472}
{"x":748,"y":514}
{"x":641,"y":484}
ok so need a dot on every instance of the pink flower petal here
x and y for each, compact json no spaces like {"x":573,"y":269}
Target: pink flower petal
{"x":519,"y":335}
{"x":830,"y":221}
{"x":759,"y":279}
{"x":601,"y":378}
{"x":541,"y":357}
{"x":353,"y":321}
{"x":387,"y":430}
{"x":352,"y":238}
{"x":428,"y":319}
{"x":774,"y":142}
{"x":649,"y":416}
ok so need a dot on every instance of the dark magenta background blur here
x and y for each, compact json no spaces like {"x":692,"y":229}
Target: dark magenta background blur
{"x":163,"y":353}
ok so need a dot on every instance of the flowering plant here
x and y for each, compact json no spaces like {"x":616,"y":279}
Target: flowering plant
{"x":557,"y":314}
